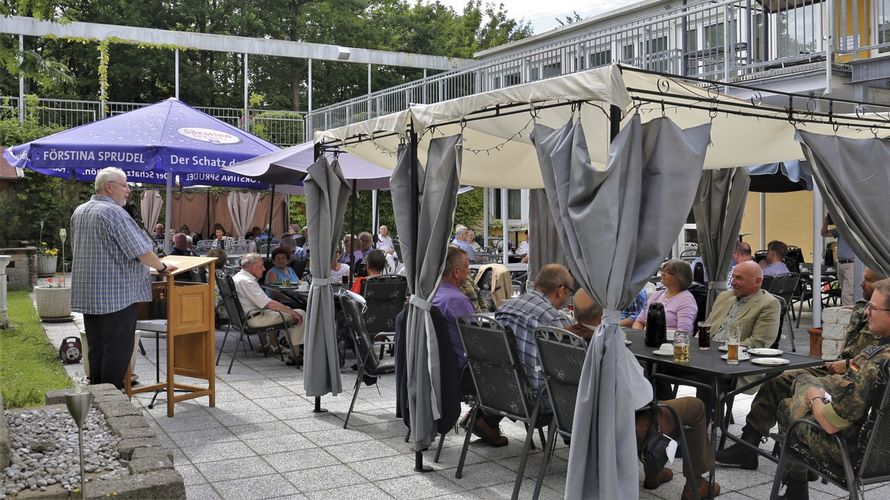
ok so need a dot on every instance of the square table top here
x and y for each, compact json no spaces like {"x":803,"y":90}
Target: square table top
{"x":709,"y":362}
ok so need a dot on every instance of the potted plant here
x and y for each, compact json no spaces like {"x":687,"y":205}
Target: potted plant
{"x":47,"y":259}
{"x":53,"y":300}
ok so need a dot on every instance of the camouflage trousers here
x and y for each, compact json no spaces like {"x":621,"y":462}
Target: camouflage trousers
{"x":762,"y":416}
{"x":820,"y":443}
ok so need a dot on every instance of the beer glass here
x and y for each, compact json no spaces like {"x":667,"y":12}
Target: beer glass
{"x":733,"y":334}
{"x":704,"y":335}
{"x":681,"y":346}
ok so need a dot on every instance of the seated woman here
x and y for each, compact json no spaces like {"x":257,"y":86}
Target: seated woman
{"x":281,"y":273}
{"x":220,"y":237}
{"x":680,"y":308}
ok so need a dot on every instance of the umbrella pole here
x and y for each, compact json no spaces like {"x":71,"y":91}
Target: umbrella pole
{"x":269,"y":231}
{"x":415,"y":222}
{"x":353,"y":238}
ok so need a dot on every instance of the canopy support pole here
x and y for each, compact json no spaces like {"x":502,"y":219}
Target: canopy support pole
{"x":505,"y":224}
{"x":316,"y":154}
{"x":415,"y":222}
{"x":486,"y":216}
{"x":818,"y":210}
{"x":269,"y":229}
{"x":168,"y":217}
{"x":763,"y":220}
{"x":354,"y":238}
{"x":374,"y":215}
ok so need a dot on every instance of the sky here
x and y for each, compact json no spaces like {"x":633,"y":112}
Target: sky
{"x":542,"y":14}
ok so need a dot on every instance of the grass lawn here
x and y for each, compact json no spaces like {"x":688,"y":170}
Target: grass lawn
{"x":29,"y":366}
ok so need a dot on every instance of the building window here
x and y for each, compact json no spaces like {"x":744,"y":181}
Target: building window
{"x":627,"y":53}
{"x":714,"y":36}
{"x":514,"y":204}
{"x":552,"y":69}
{"x":602,"y":58}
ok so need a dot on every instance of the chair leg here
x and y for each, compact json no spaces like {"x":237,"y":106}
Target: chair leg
{"x":545,"y":462}
{"x":358,"y":384}
{"x":408,"y":435}
{"x":780,"y":473}
{"x":541,"y":435}
{"x":223,"y":346}
{"x":463,"y":452}
{"x":439,"y":448}
{"x":520,"y":474}
{"x":240,"y":342}
{"x":791,"y":331}
{"x":142,"y":347}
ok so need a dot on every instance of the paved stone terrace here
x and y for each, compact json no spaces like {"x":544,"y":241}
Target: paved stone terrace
{"x":263,"y":441}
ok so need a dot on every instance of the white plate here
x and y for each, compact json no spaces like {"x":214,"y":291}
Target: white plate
{"x":770,"y":361}
{"x":723,"y":348}
{"x":742,"y":356}
{"x":663,"y":353}
{"x":764,"y":351}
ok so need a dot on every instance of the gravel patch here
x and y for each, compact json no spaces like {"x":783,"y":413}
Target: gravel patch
{"x":44,"y":451}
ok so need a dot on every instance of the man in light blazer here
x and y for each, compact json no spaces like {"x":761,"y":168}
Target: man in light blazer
{"x":756,"y":311}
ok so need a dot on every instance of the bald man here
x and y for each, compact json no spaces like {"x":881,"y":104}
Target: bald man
{"x":756,"y":311}
{"x":588,"y":315}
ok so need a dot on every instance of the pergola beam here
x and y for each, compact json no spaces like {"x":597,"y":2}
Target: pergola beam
{"x":29,"y":26}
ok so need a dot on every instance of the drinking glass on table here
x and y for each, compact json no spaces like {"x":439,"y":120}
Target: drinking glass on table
{"x":733,"y":334}
{"x":681,"y":346}
{"x":704,"y":335}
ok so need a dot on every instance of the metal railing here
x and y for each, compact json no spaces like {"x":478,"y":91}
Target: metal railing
{"x":280,"y":127}
{"x":716,"y":40}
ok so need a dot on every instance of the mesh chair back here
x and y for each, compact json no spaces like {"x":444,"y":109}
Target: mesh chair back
{"x":203,"y":246}
{"x":793,"y":258}
{"x":561,"y":354}
{"x":230,"y":299}
{"x":700,"y":294}
{"x":783,"y":285}
{"x":875,"y":465}
{"x":364,"y":345}
{"x":759,"y":255}
{"x":499,"y":377}
{"x":385,"y":298}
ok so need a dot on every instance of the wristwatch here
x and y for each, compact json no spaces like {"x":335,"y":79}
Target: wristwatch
{"x":163,"y":268}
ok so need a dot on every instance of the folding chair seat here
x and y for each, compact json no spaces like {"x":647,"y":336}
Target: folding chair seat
{"x":238,"y":319}
{"x":867,"y":461}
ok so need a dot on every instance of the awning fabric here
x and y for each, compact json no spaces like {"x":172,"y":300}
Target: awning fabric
{"x":498,"y":152}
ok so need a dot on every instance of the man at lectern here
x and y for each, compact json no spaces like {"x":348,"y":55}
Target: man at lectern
{"x":110,"y":275}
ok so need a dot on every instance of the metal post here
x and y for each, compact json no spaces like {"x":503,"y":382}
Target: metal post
{"x":246,"y":96}
{"x":727,"y":14}
{"x":309,"y":99}
{"x":176,"y":73}
{"x":168,"y":218}
{"x":818,"y":210}
{"x":762,"y":220}
{"x":21,"y":80}
{"x":829,"y":50}
{"x":505,"y":217}
{"x":4,"y":316}
{"x":369,"y":91}
{"x":374,"y":222}
{"x":486,"y":215}
{"x":425,"y":96}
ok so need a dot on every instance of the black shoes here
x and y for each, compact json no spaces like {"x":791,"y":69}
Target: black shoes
{"x":740,"y":455}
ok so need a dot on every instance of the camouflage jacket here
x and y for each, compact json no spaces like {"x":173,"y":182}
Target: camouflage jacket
{"x":857,"y":335}
{"x":470,"y":289}
{"x":851,"y":392}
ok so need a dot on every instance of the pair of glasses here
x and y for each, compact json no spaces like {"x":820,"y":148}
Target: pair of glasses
{"x":871,"y":307}
{"x":123,"y":184}
{"x":570,"y":289}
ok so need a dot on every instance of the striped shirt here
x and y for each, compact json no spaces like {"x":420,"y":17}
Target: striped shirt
{"x":522,"y":315}
{"x":106,"y":274}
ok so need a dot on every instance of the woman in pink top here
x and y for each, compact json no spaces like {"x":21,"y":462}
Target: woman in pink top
{"x":680,"y":308}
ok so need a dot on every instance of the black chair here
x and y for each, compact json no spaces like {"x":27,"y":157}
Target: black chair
{"x":561,"y":354}
{"x":369,"y":365}
{"x":783,"y":287}
{"x":759,"y":255}
{"x":500,"y":381}
{"x":385,"y":297}
{"x":700,"y":294}
{"x":238,"y":319}
{"x":867,"y":462}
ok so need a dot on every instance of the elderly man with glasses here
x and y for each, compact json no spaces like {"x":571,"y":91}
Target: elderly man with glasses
{"x":110,"y":275}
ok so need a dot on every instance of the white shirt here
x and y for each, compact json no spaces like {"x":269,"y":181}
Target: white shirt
{"x":384,"y":243}
{"x":250,"y":293}
{"x":343,"y":270}
{"x":523,"y":248}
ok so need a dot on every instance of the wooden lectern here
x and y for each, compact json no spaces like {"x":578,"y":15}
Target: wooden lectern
{"x":191,"y":333}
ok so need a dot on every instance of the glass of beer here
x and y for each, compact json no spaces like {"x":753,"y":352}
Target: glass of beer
{"x":704,"y":335}
{"x":733,"y":334}
{"x":681,"y":346}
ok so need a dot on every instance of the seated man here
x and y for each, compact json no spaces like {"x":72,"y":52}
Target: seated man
{"x":181,"y":245}
{"x":775,"y":259}
{"x":451,"y":301}
{"x":461,"y":235}
{"x":588,"y":314}
{"x":838,"y":403}
{"x":375,"y":263}
{"x":762,"y":416}
{"x":629,"y":314}
{"x":262,"y":310}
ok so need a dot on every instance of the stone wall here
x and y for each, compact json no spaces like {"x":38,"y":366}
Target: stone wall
{"x":834,"y":323}
{"x":21,"y":273}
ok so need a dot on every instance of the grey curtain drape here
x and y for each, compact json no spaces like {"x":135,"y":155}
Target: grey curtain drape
{"x":615,"y":226}
{"x":719,"y":207}
{"x":543,"y":245}
{"x":242,"y":206}
{"x":326,"y":194}
{"x":424,"y":264}
{"x":854,"y":181}
{"x":150,"y":209}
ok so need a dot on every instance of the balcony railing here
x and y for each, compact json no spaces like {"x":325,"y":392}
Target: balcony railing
{"x":282,"y":128}
{"x":716,"y":40}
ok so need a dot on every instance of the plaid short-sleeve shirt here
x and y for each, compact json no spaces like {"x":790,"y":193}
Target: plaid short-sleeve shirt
{"x":106,"y":273}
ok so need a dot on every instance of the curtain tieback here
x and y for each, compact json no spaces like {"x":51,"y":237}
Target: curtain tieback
{"x":322,"y":281}
{"x":420,"y":303}
{"x":611,"y":316}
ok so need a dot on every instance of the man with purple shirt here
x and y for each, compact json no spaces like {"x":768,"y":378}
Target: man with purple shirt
{"x":451,"y":301}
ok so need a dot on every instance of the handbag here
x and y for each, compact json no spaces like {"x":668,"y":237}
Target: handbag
{"x":653,"y":451}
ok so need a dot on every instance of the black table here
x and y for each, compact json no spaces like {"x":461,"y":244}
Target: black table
{"x":708,"y":366}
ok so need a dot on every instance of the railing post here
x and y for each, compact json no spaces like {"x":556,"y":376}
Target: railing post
{"x":727,"y":13}
{"x":176,"y":73}
{"x":829,"y":45}
{"x":21,"y":80}
{"x":246,"y":96}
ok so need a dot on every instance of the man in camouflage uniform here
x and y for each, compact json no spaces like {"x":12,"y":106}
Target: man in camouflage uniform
{"x":839,"y":403}
{"x":762,"y":416}
{"x":471,"y":290}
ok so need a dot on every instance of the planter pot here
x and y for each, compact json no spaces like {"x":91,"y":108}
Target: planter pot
{"x":46,"y":264}
{"x":53,"y":304}
{"x":815,"y":342}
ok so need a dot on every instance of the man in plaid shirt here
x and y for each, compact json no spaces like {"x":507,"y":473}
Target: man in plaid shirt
{"x":110,"y":275}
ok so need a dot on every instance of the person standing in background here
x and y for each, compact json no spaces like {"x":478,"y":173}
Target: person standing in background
{"x":844,"y":261}
{"x":110,"y":275}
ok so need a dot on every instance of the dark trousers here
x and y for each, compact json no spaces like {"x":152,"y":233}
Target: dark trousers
{"x":692,"y":415}
{"x":110,"y":338}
